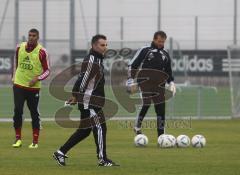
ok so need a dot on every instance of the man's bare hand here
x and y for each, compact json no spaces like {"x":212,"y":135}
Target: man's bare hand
{"x":33,"y":81}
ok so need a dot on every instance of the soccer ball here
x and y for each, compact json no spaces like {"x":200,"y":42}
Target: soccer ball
{"x":141,"y":140}
{"x":183,"y":141}
{"x":166,"y":141}
{"x":198,"y":141}
{"x":173,"y":139}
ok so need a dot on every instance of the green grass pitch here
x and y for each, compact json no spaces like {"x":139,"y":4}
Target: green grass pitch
{"x":220,"y":156}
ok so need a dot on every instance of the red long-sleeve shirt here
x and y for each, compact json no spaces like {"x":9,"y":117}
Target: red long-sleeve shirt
{"x":43,"y":56}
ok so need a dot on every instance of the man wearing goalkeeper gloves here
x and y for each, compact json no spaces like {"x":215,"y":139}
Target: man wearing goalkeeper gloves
{"x":155,"y":59}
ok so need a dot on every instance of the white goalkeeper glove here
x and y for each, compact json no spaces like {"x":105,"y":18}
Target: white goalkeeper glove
{"x":172,"y":88}
{"x":131,"y":86}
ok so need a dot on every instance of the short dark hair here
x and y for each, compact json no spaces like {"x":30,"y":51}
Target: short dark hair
{"x":98,"y":37}
{"x":160,"y":33}
{"x":33,"y":30}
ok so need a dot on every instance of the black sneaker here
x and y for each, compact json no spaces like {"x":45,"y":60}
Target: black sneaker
{"x":60,"y":158}
{"x":107,"y":162}
{"x":137,"y":131}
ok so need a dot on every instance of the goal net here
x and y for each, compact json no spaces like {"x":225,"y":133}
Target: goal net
{"x":234,"y":78}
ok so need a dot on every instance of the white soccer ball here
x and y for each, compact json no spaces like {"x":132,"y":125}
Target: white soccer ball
{"x":183,"y":141}
{"x":198,"y":141}
{"x":140,"y":140}
{"x":166,"y":141}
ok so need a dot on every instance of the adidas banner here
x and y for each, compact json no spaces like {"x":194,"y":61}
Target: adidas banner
{"x":192,"y":62}
{"x":6,"y":61}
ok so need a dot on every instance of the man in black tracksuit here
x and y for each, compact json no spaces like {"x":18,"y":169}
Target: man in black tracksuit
{"x":88,"y":91}
{"x":152,"y":58}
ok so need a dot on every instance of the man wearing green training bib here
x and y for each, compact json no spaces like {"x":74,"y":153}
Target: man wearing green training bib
{"x":32,"y":66}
